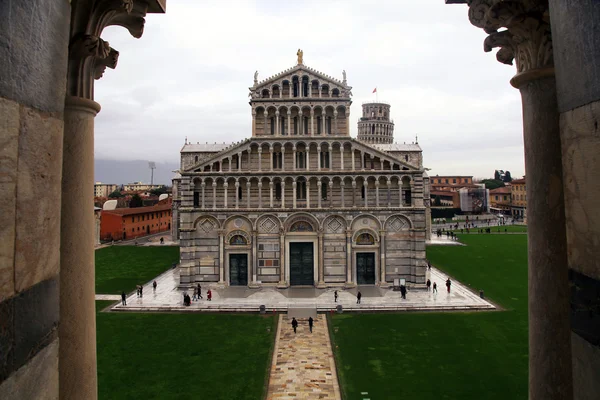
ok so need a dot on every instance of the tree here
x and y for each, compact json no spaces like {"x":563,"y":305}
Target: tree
{"x":159,"y":191}
{"x":436,"y":201}
{"x":492,"y":183}
{"x":507,"y":177}
{"x":115,"y":195}
{"x":496,"y":175}
{"x":136,"y":201}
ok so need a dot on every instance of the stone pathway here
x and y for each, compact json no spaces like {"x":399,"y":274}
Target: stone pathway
{"x":303,"y":366}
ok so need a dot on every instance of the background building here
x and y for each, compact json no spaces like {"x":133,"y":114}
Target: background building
{"x":518,"y":194}
{"x":130,"y":223}
{"x":500,"y":200}
{"x":375,"y":125}
{"x":104,"y":189}
{"x":139,"y":186}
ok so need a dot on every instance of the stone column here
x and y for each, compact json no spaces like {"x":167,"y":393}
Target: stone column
{"x":265,"y":130}
{"x":321,"y":265}
{"x":319,"y":191}
{"x":330,"y":197}
{"x":271,"y":158}
{"x":295,"y":160}
{"x":382,"y":257}
{"x":376,"y":193}
{"x":289,"y":114}
{"x":312,"y":122}
{"x":229,"y":159}
{"x":221,"y":165}
{"x":329,"y":158}
{"x":259,"y":194}
{"x":77,"y":329}
{"x":362,"y":160}
{"x":342,"y":186}
{"x":528,"y":41}
{"x":349,"y":256}
{"x":214,"y":186}
{"x":240,"y":161}
{"x":253,"y":122}
{"x":282,"y":159}
{"x":254,"y":258}
{"x":366,"y":189}
{"x":308,"y":193}
{"x":259,"y":159}
{"x":307,"y":158}
{"x":282,"y":194}
{"x":221,"y":256}
{"x":293,"y":194}
{"x":335,"y":122}
{"x":277,"y":133}
{"x":282,"y":259}
{"x":323,"y":122}
{"x":248,"y":185}
{"x":342,"y":156}
{"x":271,"y":194}
{"x":203,"y":185}
{"x":237,"y":197}
{"x":353,"y":157}
{"x":225,"y":186}
{"x":389,"y":194}
{"x":319,"y":158}
{"x":353,"y":193}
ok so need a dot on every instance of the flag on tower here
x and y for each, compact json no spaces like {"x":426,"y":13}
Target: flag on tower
{"x":375,"y":90}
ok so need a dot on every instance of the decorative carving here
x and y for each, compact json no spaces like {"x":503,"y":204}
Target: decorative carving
{"x":238,"y":238}
{"x":527,"y":38}
{"x":109,"y":61}
{"x":207,"y":225}
{"x":301,"y":226}
{"x":335,"y":225}
{"x":268,"y":225}
{"x":397,"y":223}
{"x":365,"y":239}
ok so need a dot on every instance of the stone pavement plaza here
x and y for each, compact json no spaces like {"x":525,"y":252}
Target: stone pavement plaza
{"x":168,"y":297}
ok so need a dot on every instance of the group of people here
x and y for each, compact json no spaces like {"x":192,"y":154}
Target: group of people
{"x":139,"y":290}
{"x":448,"y":284}
{"x":310,"y":324}
{"x":196,"y":296}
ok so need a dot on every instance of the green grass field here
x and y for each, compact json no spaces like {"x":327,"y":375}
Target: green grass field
{"x":121,"y":268}
{"x":183,"y":356}
{"x":480,"y":355}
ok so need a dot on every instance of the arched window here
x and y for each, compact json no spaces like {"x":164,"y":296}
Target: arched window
{"x":196,"y":159}
{"x":238,"y":240}
{"x":301,"y":190}
{"x":319,"y":125}
{"x":272,"y":121}
{"x":240,"y":192}
{"x":265,"y":94}
{"x":372,"y":129}
{"x":305,"y":125}
{"x":300,"y":159}
{"x":324,"y":191}
{"x":282,"y":124}
{"x":328,"y":127}
{"x":365,"y":239}
{"x":278,"y":191}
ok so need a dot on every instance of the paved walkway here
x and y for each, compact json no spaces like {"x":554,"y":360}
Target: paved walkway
{"x":168,"y":297}
{"x":303,"y":365}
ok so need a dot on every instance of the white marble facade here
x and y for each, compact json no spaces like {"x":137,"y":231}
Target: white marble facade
{"x":301,"y":202}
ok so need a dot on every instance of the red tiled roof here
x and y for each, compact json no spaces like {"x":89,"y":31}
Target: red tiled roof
{"x":139,"y":210}
{"x":501,"y":190}
{"x":518,"y":181}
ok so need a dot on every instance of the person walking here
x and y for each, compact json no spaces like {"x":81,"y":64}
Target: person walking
{"x":154,"y":284}
{"x":434,"y":287}
{"x":403,"y":291}
{"x":294,"y":324}
{"x":199,"y":291}
{"x":195,"y":295}
{"x":123,"y":298}
{"x":310,"y":324}
{"x":137,"y":290}
{"x":358,"y":296}
{"x":335,"y":296}
{"x":209,"y":295}
{"x":428,"y":285}
{"x":141,"y":291}
{"x":448,"y":283}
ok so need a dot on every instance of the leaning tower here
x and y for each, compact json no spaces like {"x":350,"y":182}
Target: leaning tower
{"x":375,"y":125}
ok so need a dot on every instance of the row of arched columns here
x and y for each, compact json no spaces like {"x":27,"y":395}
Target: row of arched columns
{"x":299,"y":155}
{"x":303,"y":192}
{"x":299,"y":86}
{"x":300,"y":120}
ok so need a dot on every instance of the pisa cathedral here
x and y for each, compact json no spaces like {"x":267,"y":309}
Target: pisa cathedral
{"x":300,"y":202}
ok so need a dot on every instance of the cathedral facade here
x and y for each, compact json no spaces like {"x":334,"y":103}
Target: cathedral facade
{"x":300,"y":202}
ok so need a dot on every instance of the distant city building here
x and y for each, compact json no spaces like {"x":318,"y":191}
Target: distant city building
{"x":474,"y":200}
{"x":135,"y":186}
{"x":451,"y":182}
{"x":104,"y":189}
{"x":500,"y":200}
{"x":519,"y":198}
{"x":375,"y":125}
{"x":131,"y":223}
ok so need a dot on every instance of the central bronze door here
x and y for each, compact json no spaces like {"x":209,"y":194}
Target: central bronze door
{"x":365,"y":268}
{"x":301,"y":264}
{"x":238,"y":269}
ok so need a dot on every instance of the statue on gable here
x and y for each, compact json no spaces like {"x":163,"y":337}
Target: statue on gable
{"x":300,"y":55}
{"x":344,"y":75}
{"x":255,"y":77}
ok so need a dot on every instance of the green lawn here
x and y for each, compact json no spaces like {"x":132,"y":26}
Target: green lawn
{"x":183,"y":356}
{"x":423,"y":356}
{"x":121,"y":268}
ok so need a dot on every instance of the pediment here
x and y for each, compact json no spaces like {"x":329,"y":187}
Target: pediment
{"x":301,"y":70}
{"x":230,"y":150}
{"x":369,"y":149}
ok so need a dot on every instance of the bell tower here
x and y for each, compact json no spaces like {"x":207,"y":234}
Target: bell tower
{"x":375,"y":125}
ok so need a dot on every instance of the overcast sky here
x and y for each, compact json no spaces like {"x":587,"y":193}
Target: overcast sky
{"x":189,"y":76}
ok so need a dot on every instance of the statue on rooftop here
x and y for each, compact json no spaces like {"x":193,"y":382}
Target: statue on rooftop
{"x":300,"y":55}
{"x":255,"y":77}
{"x":344,"y":75}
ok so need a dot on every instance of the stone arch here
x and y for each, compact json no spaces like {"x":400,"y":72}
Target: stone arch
{"x":237,"y":222}
{"x":368,"y":231}
{"x":268,"y":223}
{"x":334,"y":224}
{"x":265,"y":93}
{"x":247,"y":240}
{"x":397,"y":222}
{"x":364,"y":221}
{"x":301,"y":217}
{"x":207,"y":223}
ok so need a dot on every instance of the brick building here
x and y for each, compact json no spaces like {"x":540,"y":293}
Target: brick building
{"x":130,"y":223}
{"x":519,"y":198}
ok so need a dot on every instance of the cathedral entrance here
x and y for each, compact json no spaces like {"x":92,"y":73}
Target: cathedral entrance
{"x":365,"y":268}
{"x":301,"y":264}
{"x":238,"y":269}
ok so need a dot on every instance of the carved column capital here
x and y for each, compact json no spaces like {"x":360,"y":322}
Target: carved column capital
{"x":526,"y":40}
